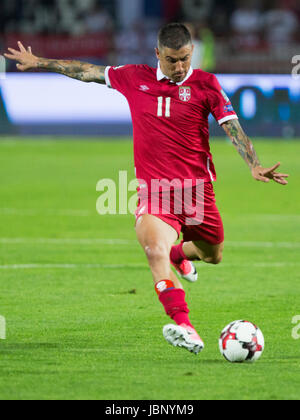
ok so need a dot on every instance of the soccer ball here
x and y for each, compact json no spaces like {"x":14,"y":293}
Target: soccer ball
{"x":241,"y":341}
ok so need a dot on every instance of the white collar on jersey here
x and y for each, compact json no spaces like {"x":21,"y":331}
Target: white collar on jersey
{"x":161,"y":76}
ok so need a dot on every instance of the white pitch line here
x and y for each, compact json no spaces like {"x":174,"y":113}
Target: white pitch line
{"x":89,"y":213}
{"x":70,"y":266}
{"x":133,"y":242}
{"x":253,"y":244}
{"x":66,"y":241}
{"x":252,"y":265}
{"x":139,"y":266}
{"x":275,"y":217}
{"x":47,"y":212}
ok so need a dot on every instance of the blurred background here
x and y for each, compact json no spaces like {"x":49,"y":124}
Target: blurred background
{"x":249,"y":44}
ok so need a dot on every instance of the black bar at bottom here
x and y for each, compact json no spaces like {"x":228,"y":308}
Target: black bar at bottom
{"x":151,"y":409}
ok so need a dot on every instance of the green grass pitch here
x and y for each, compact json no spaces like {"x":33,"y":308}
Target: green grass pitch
{"x":83,"y":320}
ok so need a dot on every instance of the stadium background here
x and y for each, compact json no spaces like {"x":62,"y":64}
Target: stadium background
{"x":231,"y":37}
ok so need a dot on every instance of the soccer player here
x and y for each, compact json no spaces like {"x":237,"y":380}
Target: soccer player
{"x":170,"y":106}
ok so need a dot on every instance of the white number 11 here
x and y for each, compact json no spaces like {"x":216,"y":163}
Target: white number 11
{"x":160,"y":107}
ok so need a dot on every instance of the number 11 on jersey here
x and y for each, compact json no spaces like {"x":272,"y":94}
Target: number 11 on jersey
{"x":161,"y":106}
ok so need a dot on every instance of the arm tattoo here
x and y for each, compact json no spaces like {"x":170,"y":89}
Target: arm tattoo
{"x":242,"y":143}
{"x":75,"y":69}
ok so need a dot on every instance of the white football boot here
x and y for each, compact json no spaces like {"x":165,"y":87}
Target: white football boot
{"x":183,"y":336}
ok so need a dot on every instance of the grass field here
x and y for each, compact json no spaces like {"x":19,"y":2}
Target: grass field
{"x":83,"y":320}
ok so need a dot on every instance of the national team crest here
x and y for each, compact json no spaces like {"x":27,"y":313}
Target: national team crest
{"x":185,"y":94}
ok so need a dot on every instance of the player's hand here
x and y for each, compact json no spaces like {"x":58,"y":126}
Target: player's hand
{"x":26,"y":60}
{"x":266,"y":175}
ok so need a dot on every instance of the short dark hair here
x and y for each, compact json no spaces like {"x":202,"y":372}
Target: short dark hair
{"x":174,"y":35}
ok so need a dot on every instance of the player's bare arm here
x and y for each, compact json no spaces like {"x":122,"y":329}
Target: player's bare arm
{"x":246,"y":149}
{"x":84,"y":72}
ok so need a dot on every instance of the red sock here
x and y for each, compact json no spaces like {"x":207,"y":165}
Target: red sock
{"x":177,"y":255}
{"x":174,"y":302}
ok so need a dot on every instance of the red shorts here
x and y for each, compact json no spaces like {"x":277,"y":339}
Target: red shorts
{"x":195,"y":214}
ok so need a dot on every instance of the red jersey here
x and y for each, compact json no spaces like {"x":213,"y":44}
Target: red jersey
{"x":170,"y":121}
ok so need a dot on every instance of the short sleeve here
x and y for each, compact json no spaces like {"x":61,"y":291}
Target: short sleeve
{"x":219,"y":103}
{"x":120,"y":78}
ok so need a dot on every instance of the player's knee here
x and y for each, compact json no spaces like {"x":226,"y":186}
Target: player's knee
{"x":156,"y":252}
{"x":215,"y":259}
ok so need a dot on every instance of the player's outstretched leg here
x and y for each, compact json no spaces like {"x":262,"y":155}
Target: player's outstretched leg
{"x":157,"y":237}
{"x":183,"y":334}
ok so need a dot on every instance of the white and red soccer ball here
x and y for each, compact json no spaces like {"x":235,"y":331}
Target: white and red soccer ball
{"x":241,"y":341}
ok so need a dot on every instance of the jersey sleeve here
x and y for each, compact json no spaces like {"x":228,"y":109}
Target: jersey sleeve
{"x":120,"y":78}
{"x":219,"y":103}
